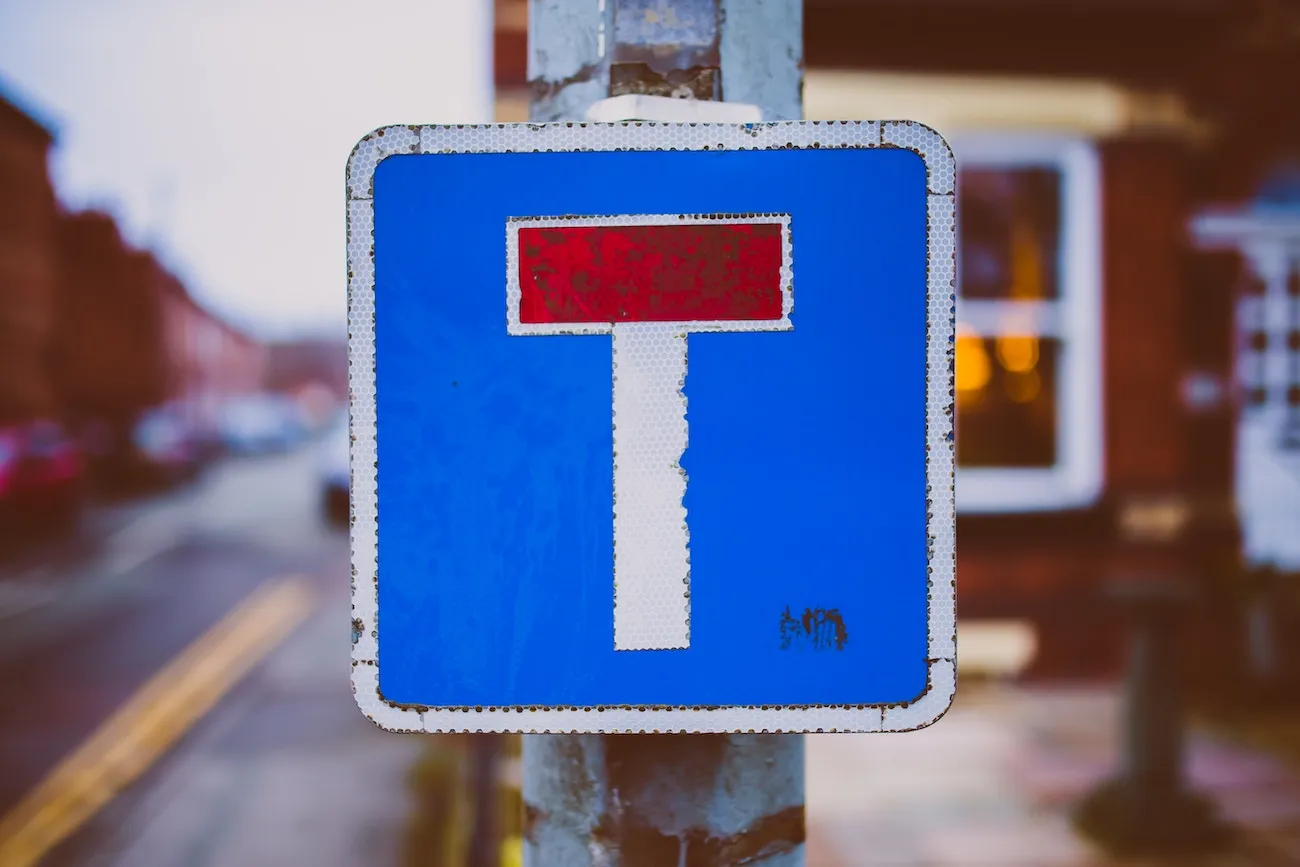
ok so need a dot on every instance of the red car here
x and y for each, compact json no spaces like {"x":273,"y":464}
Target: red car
{"x":41,"y":475}
{"x":11,"y":448}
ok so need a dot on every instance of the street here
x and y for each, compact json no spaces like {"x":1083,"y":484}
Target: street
{"x":178,"y":697}
{"x":99,"y":687}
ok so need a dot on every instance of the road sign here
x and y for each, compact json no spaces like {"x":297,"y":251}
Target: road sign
{"x":652,"y":426}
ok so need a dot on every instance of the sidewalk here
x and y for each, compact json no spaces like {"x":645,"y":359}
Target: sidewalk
{"x":994,"y":780}
{"x":289,"y":772}
{"x":286,"y":772}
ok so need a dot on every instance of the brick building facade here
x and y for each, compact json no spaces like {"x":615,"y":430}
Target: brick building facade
{"x":28,"y":264}
{"x":93,"y":332}
{"x":107,"y":355}
{"x":207,"y":361}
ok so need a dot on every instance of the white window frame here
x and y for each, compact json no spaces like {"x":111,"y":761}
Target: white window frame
{"x":1075,"y":481}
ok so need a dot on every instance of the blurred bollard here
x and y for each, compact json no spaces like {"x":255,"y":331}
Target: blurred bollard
{"x":431,"y":839}
{"x":484,"y":848}
{"x":1266,"y":672}
{"x":458,"y":813}
{"x":511,"y":801}
{"x":1147,"y":809}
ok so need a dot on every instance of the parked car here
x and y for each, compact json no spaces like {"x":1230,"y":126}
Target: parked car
{"x":11,"y":445}
{"x":334,"y":474}
{"x":41,"y":476}
{"x":261,"y":424}
{"x":167,"y":446}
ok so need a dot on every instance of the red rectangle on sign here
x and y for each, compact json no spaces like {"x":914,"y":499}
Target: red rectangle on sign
{"x":681,"y":272}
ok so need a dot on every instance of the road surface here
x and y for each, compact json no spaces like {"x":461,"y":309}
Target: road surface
{"x":247,"y":750}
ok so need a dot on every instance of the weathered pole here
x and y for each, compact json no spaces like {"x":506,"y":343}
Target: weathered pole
{"x":695,"y":800}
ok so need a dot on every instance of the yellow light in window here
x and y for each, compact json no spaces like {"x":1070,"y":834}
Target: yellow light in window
{"x":973,"y":365}
{"x":1026,"y":264}
{"x":1024,"y":387}
{"x":1018,"y":353}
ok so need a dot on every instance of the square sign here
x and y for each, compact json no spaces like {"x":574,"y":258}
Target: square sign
{"x":652,"y":427}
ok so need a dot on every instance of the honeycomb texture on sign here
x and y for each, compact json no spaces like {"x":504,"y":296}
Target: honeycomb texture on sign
{"x":633,"y":135}
{"x":374,"y":148}
{"x":940,"y":165}
{"x":361,"y":390}
{"x":931,"y":706}
{"x":652,"y":564}
{"x":395,"y":718}
{"x":941,"y":241}
{"x":397,"y":140}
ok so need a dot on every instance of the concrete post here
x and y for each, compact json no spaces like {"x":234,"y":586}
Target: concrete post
{"x":641,"y":800}
{"x":1147,"y":808}
{"x":1153,"y":719}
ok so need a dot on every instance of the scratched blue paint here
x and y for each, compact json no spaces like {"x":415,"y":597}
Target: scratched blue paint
{"x":806,"y":459}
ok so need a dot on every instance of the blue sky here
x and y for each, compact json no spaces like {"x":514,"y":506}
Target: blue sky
{"x":217,"y":130}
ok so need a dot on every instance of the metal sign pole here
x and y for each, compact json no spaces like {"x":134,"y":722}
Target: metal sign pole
{"x":654,"y":799}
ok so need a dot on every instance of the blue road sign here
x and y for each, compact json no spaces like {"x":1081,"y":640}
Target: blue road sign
{"x":652,"y":427}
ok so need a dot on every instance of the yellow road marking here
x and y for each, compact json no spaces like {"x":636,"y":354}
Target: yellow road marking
{"x":151,"y":721}
{"x":512,"y":851}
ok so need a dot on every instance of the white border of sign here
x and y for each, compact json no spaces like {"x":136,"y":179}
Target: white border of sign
{"x":941,"y":685}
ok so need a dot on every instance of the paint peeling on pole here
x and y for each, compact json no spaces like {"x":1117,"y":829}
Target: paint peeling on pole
{"x":663,"y":48}
{"x":566,"y":59}
{"x":643,"y":800}
{"x":760,"y":48}
{"x":741,"y":51}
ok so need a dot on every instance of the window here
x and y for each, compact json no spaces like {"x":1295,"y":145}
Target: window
{"x":1029,"y":425}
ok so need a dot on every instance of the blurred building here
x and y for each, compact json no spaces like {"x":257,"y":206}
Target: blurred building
{"x":95,"y":333}
{"x":1265,"y":233}
{"x":28,"y":264}
{"x":131,"y":338}
{"x":108,"y":359}
{"x":318,"y":363}
{"x":207,"y":361}
{"x":314,"y":372}
{"x":1097,"y":376}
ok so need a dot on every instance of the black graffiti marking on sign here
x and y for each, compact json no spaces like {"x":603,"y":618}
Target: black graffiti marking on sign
{"x":816,"y":628}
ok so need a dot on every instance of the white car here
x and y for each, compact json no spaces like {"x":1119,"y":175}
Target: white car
{"x":334,"y":474}
{"x":261,"y":424}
